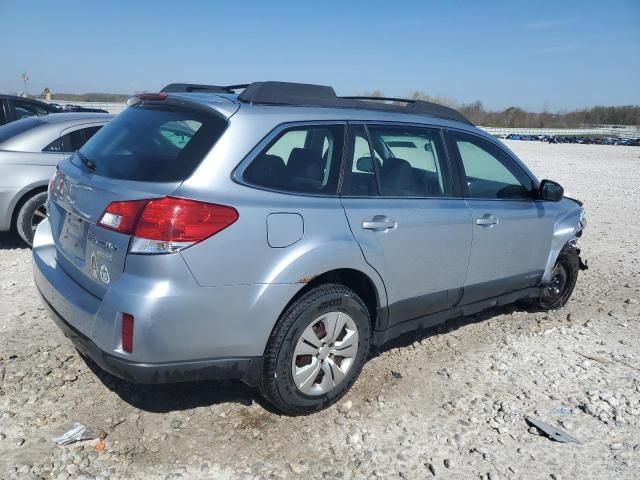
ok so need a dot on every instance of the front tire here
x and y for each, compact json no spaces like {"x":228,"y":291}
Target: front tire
{"x":31,"y":213}
{"x":316,"y":350}
{"x":563,"y":280}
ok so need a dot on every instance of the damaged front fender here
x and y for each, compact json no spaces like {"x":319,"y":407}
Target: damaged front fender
{"x":566,"y":230}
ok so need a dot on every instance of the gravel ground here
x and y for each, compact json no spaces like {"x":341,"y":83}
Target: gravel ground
{"x":448,"y":403}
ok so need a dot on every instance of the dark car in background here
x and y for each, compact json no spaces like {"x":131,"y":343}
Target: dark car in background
{"x":14,"y":108}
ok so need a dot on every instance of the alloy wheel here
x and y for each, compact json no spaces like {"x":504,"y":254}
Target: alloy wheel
{"x":39,"y":215}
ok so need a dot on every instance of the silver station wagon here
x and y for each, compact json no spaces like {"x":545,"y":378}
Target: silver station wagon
{"x":277,"y":234}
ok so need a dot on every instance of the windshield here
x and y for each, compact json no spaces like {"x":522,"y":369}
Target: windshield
{"x":152,"y":144}
{"x":15,"y":128}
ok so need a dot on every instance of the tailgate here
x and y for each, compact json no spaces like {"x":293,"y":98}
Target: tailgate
{"x":145,"y":152}
{"x":92,"y":255}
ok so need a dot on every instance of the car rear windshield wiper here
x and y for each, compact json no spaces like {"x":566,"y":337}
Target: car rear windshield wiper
{"x":86,"y":162}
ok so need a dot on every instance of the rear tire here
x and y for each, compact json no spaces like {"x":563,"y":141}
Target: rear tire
{"x":307,"y":343}
{"x":31,"y":213}
{"x":563,"y":280}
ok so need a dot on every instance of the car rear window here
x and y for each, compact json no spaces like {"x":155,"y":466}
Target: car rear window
{"x":152,"y":144}
{"x":20,"y":126}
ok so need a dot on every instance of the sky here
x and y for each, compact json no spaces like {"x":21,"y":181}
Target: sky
{"x":552,"y":55}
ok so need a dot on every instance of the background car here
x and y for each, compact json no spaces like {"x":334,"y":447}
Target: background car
{"x":77,"y":108}
{"x":29,"y":151}
{"x":14,"y":108}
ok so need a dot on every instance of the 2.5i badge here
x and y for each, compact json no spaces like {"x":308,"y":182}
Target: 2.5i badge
{"x":104,"y":274}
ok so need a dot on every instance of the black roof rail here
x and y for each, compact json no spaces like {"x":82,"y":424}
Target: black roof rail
{"x":309,"y":95}
{"x":194,"y":87}
{"x":419,"y":106}
{"x":380,"y":99}
{"x":302,"y":94}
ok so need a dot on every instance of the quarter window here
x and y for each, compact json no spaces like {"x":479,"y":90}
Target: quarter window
{"x":55,"y":146}
{"x":490,"y":172}
{"x":301,"y":159}
{"x":72,"y":141}
{"x":76,"y":140}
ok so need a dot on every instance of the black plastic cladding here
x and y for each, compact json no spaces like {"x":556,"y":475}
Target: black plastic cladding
{"x":308,"y":95}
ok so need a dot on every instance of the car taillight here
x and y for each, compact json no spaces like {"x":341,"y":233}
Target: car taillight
{"x":122,"y":216}
{"x":54,"y":181}
{"x":166,"y":225}
{"x":152,"y":97}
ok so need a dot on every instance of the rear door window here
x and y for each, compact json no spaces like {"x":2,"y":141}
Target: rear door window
{"x":303,"y":159}
{"x":153,"y":144}
{"x":407,"y":161}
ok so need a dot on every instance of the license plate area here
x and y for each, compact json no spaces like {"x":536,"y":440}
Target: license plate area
{"x":73,"y":236}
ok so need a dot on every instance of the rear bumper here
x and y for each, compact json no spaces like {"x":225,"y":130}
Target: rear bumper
{"x":246,"y":369}
{"x":182,"y":331}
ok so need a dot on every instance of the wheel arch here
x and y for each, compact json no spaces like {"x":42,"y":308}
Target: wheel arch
{"x":21,"y":199}
{"x":361,"y":283}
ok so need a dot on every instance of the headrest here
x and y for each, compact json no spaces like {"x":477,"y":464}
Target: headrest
{"x":305,"y":163}
{"x":265,"y":168}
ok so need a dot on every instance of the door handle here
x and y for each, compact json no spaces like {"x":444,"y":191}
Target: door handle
{"x":487,"y":220}
{"x":378,"y":223}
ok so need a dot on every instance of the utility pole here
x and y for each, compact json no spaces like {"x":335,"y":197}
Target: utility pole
{"x":25,"y":79}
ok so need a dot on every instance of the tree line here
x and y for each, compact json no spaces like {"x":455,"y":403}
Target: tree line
{"x":519,"y":118}
{"x":91,"y":97}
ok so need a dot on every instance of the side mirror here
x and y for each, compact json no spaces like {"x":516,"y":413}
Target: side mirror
{"x":551,"y":191}
{"x":365,"y":164}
